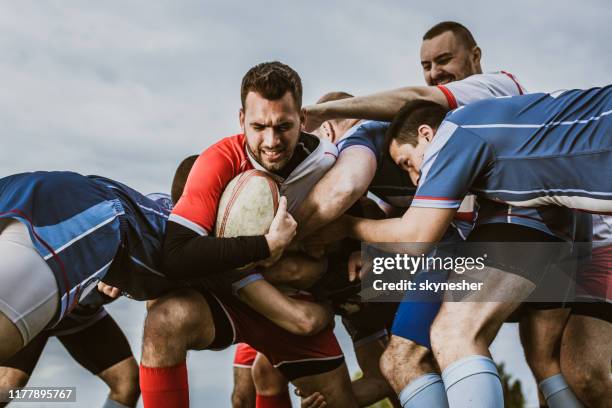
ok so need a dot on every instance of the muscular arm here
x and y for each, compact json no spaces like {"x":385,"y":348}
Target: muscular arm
{"x":299,"y":317}
{"x":417,"y":225}
{"x":379,"y":106}
{"x":338,"y":190}
{"x":189,"y":255}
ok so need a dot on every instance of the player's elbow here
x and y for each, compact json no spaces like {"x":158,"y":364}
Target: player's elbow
{"x":308,"y":325}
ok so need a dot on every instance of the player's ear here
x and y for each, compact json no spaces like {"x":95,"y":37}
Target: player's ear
{"x":241,"y":118}
{"x":330,"y":131}
{"x":425,"y":133}
{"x":476,"y":54}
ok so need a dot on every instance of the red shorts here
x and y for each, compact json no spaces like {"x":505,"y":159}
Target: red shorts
{"x":295,"y":356}
{"x":594,"y":280}
{"x":244,"y":357}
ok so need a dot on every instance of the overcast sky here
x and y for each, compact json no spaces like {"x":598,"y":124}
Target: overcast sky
{"x":126,"y":89}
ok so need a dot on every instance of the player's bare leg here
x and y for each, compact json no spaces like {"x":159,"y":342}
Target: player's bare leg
{"x":10,"y":338}
{"x":270,"y":384}
{"x":175,"y":323}
{"x":335,"y":386}
{"x":404,"y":360}
{"x":122,"y":380}
{"x":10,"y":379}
{"x":243,"y":394}
{"x":541,"y":332}
{"x":586,"y":353}
{"x":462,"y":333}
{"x":372,"y":386}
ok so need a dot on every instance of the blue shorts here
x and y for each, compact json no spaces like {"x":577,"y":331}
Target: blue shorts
{"x":418,"y":310}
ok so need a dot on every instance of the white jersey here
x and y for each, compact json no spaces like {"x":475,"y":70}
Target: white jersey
{"x":481,"y":86}
{"x":303,"y":178}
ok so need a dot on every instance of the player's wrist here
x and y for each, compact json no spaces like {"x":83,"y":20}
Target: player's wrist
{"x":274,"y":244}
{"x":350,"y":226}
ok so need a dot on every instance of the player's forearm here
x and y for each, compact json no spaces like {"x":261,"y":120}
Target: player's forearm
{"x":299,"y":317}
{"x":388,"y":230}
{"x":379,"y":106}
{"x":338,"y":190}
{"x":323,"y":210}
{"x":188,"y":255}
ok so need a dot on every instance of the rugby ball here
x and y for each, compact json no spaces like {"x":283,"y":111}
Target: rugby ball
{"x":248,"y":205}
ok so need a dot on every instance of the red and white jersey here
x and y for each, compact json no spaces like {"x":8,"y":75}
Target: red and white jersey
{"x":481,"y":86}
{"x":220,"y":163}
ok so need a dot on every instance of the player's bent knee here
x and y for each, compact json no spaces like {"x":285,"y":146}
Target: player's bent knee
{"x":180,"y":316}
{"x":445,"y":332}
{"x":11,"y":378}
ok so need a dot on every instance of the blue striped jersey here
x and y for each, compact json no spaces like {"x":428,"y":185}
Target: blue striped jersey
{"x":80,"y":224}
{"x":526,"y":151}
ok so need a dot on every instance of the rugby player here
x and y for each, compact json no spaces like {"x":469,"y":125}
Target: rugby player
{"x":62,"y":232}
{"x":211,"y":316}
{"x":448,"y":53}
{"x":453,"y":162}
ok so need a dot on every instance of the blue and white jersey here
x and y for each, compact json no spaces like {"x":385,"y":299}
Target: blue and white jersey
{"x":527,"y":151}
{"x":390,"y":182}
{"x":84,"y":227}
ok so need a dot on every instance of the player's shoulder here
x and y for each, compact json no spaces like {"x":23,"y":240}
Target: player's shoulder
{"x":229,"y":151}
{"x":369,"y":133}
{"x":497,"y":83}
{"x":235,"y":144}
{"x":367,"y":128}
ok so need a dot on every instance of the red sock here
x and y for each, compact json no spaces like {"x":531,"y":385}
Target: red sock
{"x":273,"y":401}
{"x":164,"y":387}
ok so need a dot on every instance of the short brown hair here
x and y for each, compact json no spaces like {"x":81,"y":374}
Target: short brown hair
{"x":413,"y":114}
{"x":272,"y":80}
{"x":334,"y":96}
{"x":180,"y":177}
{"x":459,"y":30}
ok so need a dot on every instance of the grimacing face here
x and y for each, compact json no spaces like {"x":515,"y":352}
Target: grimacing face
{"x":445,"y":59}
{"x":272,"y":129}
{"x":410,"y":158}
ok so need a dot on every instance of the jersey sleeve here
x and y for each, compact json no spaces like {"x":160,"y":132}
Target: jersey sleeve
{"x":453,"y":162}
{"x":369,"y":134}
{"x":481,"y":86}
{"x":211,"y":173}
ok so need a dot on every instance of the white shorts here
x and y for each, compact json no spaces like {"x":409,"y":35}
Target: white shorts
{"x":28,"y":290}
